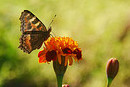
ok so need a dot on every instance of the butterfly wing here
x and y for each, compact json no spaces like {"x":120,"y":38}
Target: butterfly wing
{"x":29,"y":22}
{"x":34,"y":32}
{"x":30,"y":42}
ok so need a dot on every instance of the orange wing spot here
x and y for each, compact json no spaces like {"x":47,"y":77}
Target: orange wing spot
{"x":37,"y":29}
{"x":33,"y":25}
{"x":27,"y":42}
{"x":40,"y":28}
{"x":26,"y":20}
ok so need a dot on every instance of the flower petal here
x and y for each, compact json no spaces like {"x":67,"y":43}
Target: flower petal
{"x":78,"y":53}
{"x":70,"y":61}
{"x":59,"y":59}
{"x":66,"y":60}
{"x":56,"y":47}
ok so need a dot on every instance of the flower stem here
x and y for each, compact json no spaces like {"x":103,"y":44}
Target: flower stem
{"x":59,"y":70}
{"x":109,"y":82}
{"x":59,"y":80}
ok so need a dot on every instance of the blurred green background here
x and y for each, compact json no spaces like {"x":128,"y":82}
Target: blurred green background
{"x":101,"y":27}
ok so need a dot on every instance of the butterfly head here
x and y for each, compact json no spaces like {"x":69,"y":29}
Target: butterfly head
{"x":49,"y":30}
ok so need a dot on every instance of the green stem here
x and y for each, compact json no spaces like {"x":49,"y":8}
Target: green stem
{"x":59,"y":70}
{"x":59,"y":80}
{"x":109,"y":82}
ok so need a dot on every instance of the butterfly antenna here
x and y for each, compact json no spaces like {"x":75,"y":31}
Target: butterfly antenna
{"x":50,"y":25}
{"x":52,"y":21}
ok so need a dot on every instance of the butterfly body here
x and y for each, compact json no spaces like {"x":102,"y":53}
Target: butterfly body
{"x":34,"y":32}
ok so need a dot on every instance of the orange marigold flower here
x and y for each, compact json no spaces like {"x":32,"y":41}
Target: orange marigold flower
{"x":56,"y":47}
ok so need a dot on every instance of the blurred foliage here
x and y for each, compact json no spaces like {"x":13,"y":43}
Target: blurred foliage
{"x":101,"y":27}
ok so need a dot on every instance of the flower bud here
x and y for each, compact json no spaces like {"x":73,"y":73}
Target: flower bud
{"x":112,"y":69}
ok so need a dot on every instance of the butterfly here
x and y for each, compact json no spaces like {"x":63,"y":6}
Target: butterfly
{"x":34,"y":32}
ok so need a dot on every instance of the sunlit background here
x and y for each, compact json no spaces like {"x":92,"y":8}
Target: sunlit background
{"x":101,"y":28}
